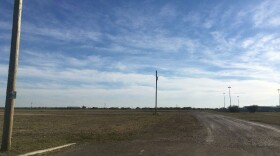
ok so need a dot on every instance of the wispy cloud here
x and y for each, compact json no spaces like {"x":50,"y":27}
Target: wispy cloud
{"x":267,"y":14}
{"x":61,"y":34}
{"x":168,"y":11}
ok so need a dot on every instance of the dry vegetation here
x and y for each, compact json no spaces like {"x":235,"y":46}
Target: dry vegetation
{"x":40,"y":129}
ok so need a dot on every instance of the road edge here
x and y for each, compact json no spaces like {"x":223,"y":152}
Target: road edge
{"x":46,"y":150}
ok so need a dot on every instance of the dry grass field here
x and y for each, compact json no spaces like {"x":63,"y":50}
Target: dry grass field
{"x":263,"y":117}
{"x":41,"y":129}
{"x":117,"y":129}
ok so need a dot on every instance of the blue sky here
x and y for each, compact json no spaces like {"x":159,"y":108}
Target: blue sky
{"x":105,"y":51}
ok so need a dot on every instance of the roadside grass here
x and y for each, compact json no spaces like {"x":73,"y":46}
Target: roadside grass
{"x":264,"y":117}
{"x":41,"y":129}
{"x":179,"y":127}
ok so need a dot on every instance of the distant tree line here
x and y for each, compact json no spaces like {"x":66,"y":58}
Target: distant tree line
{"x":251,"y":109}
{"x":233,"y":108}
{"x":114,"y":108}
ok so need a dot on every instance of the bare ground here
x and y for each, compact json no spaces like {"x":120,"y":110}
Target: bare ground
{"x":231,"y":136}
{"x":215,"y":135}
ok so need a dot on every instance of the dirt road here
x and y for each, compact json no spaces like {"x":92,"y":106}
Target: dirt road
{"x":219,"y":135}
{"x":231,"y":136}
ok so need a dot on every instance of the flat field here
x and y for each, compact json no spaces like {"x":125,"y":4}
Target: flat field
{"x":133,"y":132}
{"x":41,"y":129}
{"x":214,"y":134}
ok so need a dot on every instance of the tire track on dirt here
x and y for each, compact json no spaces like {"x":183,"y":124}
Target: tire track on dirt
{"x":228,"y":131}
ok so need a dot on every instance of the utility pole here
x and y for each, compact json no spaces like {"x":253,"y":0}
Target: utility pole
{"x":238,"y":100}
{"x":156,"y":94}
{"x":229,"y":96}
{"x":279,"y":96}
{"x":11,"y":84}
{"x":224,"y":100}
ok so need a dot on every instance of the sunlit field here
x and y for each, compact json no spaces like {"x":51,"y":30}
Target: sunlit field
{"x":41,"y":129}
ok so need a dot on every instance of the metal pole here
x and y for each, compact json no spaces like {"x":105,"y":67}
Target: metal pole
{"x":238,"y":100}
{"x":279,"y":96}
{"x":224,"y":101}
{"x":11,"y":84}
{"x":156,"y":94}
{"x":229,"y":96}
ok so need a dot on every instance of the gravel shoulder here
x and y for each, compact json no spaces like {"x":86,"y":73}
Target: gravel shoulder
{"x":239,"y":136}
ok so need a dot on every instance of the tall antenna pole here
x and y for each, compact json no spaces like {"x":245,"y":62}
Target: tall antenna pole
{"x":156,"y":94}
{"x":224,"y":101}
{"x":279,"y":96}
{"x":229,"y":96}
{"x":238,"y":100}
{"x":11,"y":84}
